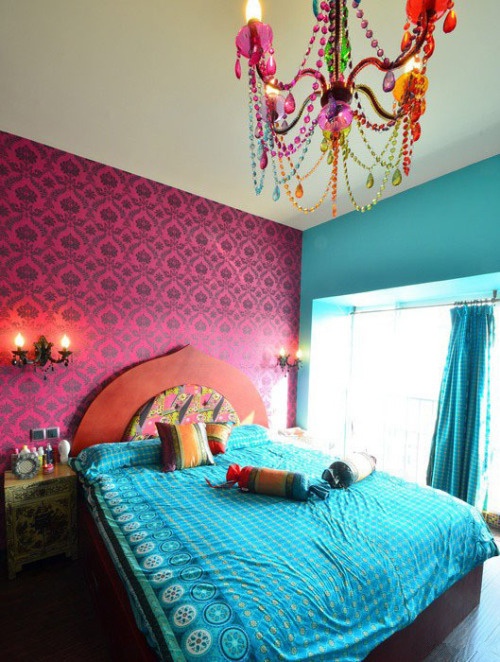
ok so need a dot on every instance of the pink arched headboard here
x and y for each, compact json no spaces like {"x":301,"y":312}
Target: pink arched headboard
{"x":107,"y":417}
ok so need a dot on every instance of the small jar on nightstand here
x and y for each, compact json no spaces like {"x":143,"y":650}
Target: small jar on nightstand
{"x":40,"y":517}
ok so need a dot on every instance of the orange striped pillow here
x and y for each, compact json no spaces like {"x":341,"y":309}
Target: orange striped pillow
{"x":218,"y":435}
{"x":184,"y":445}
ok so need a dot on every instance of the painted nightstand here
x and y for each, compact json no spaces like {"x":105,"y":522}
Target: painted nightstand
{"x":40,"y":517}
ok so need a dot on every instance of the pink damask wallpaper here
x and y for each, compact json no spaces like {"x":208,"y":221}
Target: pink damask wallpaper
{"x":130,"y":269}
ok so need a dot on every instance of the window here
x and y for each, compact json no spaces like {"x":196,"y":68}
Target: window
{"x":378,"y":376}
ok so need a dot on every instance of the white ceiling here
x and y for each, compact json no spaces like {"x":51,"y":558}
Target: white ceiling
{"x":148,"y":86}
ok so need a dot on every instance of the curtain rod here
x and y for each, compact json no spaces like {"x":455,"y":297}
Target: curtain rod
{"x":493,"y":299}
{"x":477,"y":301}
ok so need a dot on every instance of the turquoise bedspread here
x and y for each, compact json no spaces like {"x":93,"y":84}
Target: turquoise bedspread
{"x":225,"y":575}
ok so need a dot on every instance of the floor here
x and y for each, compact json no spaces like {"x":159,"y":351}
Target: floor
{"x":477,"y":639}
{"x":46,"y":614}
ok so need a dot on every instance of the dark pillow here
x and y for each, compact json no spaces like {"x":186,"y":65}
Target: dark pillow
{"x":352,"y":469}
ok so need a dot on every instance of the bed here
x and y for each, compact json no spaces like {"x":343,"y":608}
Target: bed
{"x":182,"y":571}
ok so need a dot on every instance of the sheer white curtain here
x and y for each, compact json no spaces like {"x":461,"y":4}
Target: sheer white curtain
{"x":376,"y":376}
{"x":374,"y":385}
{"x":397,"y":364}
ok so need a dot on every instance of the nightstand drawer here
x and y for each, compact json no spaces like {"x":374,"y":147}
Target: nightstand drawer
{"x":26,"y":490}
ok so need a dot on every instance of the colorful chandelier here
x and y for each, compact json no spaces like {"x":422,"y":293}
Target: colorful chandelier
{"x":338,"y":106}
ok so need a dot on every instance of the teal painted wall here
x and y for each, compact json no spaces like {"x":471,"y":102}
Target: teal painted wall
{"x":446,"y":229}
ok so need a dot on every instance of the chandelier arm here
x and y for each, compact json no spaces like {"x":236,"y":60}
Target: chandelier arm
{"x":400,"y":61}
{"x":277,"y":84}
{"x":283,"y":132}
{"x":376,"y":105}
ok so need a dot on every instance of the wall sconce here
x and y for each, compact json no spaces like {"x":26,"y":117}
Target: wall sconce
{"x":43,"y":353}
{"x":284,"y":363}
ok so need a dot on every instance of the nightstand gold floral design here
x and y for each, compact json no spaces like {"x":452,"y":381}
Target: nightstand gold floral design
{"x":40,"y":517}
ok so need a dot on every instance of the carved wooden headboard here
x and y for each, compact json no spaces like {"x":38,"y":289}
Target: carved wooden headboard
{"x":109,"y":414}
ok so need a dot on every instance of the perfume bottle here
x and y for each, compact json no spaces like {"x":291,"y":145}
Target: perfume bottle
{"x":14,"y":458}
{"x":47,"y":467}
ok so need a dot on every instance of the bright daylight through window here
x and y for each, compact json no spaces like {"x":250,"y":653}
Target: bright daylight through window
{"x":377,"y":377}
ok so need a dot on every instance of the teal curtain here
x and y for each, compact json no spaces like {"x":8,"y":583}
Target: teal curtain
{"x":460,"y":446}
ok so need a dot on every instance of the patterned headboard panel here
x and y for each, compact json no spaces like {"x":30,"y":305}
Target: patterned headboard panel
{"x":188,"y":403}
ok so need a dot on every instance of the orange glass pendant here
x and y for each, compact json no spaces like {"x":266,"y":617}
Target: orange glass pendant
{"x":406,"y":41}
{"x":299,"y":191}
{"x":450,"y":22}
{"x":429,"y":46}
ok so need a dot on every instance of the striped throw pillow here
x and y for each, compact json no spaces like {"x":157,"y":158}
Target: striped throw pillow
{"x":218,"y":435}
{"x":184,"y":445}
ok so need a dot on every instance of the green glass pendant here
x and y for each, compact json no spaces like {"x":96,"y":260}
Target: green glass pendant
{"x":397,"y":178}
{"x":345,"y":55}
{"x":369,"y":180}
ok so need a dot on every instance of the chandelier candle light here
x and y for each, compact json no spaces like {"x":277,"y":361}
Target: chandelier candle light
{"x":282,"y":129}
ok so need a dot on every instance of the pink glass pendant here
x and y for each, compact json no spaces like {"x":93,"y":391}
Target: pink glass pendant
{"x":237,"y":68}
{"x":279,"y":107}
{"x":343,"y":117}
{"x":265,"y":34}
{"x":270,"y":68}
{"x":326,"y":115}
{"x":389,"y":82}
{"x":289,"y":104}
{"x":244,"y":41}
{"x":335,"y":116}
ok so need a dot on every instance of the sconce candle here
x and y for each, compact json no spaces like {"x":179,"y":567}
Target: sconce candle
{"x":19,"y":341}
{"x":43,"y":353}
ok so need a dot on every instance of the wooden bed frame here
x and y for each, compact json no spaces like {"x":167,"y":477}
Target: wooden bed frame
{"x":106,"y":420}
{"x":107,"y":417}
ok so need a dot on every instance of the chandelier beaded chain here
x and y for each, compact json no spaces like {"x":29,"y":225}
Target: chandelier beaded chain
{"x":281,"y":131}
